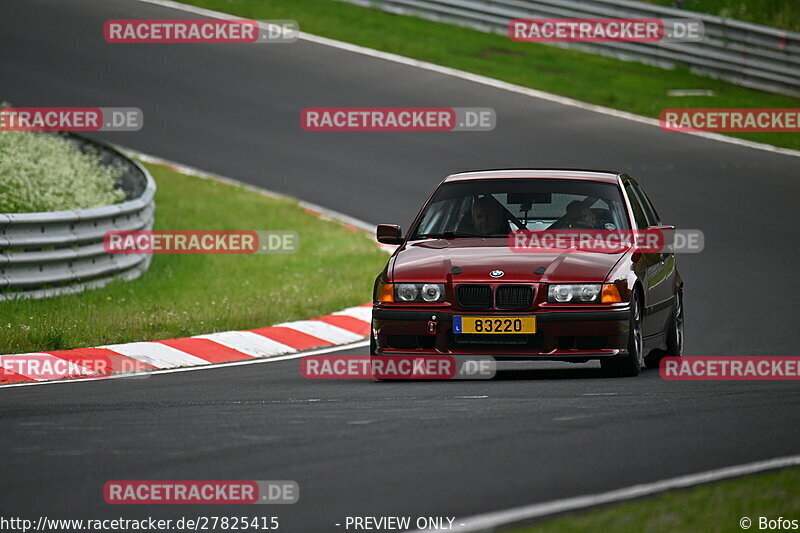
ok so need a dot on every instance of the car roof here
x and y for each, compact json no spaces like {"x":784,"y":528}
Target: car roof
{"x":534,"y":173}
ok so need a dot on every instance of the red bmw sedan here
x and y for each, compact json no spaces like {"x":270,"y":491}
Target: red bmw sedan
{"x":465,"y":280}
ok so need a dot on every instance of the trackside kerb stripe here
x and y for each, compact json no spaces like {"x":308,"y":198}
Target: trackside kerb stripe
{"x":344,"y":327}
{"x":159,"y":372}
{"x":102,"y":361}
{"x":291,"y":337}
{"x":7,"y":376}
{"x":359,"y":327}
{"x":249,"y":343}
{"x":205,"y":349}
{"x":362,"y":313}
{"x":43,"y":366}
{"x":156,"y":354}
{"x":323,"y":330}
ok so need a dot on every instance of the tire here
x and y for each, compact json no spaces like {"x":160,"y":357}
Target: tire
{"x":675,"y":336}
{"x":630,"y":364}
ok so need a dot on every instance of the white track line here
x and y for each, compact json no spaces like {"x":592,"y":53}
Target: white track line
{"x":193,"y":171}
{"x":483,"y":80}
{"x":206,"y":366}
{"x":489,"y":521}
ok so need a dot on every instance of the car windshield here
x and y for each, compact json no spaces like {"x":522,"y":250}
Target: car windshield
{"x":495,"y":207}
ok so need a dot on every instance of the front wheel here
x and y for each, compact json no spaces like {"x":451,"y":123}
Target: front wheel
{"x":630,"y":364}
{"x":674,"y":336}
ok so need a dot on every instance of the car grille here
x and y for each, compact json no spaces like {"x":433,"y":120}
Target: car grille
{"x":475,"y":296}
{"x":514,"y":296}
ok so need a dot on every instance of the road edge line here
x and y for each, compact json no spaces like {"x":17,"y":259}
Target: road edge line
{"x":315,"y":209}
{"x":484,"y":80}
{"x":491,"y":520}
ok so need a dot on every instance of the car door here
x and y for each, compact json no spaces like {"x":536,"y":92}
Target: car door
{"x":660,"y":270}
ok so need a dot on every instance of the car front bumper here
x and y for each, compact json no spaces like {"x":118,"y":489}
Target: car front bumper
{"x":566,"y":335}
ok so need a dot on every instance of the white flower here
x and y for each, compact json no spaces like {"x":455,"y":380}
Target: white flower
{"x":41,"y":172}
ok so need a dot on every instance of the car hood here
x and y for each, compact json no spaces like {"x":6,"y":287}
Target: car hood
{"x":433,"y":260}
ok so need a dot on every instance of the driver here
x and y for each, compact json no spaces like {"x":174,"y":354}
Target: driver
{"x":579,"y":216}
{"x":487,"y":217}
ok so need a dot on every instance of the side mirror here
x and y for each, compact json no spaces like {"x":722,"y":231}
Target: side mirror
{"x":389,"y":234}
{"x":657,"y":240}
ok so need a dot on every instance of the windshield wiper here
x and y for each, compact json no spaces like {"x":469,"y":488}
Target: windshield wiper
{"x":455,"y":235}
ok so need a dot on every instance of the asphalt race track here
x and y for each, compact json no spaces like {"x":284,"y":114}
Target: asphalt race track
{"x":367,"y":448}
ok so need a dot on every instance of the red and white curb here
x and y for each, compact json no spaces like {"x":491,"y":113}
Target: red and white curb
{"x":344,"y":327}
{"x":277,"y":342}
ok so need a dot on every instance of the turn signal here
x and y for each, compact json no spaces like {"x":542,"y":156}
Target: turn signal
{"x":387,"y":293}
{"x":610,"y":294}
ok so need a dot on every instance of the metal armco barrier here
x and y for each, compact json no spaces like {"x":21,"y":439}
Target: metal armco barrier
{"x":746,"y":54}
{"x":61,"y":252}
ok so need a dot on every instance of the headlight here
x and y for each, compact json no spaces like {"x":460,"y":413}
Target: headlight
{"x":560,"y":293}
{"x":431,"y":292}
{"x":419,"y":292}
{"x":407,"y":292}
{"x":588,"y":293}
{"x":583,"y":293}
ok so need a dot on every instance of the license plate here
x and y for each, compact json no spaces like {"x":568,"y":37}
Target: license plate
{"x":494,"y":324}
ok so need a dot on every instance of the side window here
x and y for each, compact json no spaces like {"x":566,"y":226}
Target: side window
{"x":649,"y":210}
{"x":638,"y":212}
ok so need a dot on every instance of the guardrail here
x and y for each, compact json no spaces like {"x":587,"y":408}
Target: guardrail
{"x":61,"y":252}
{"x":746,"y":54}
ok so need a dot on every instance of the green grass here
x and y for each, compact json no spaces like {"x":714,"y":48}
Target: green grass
{"x":622,"y":85}
{"x":712,"y":508}
{"x":184,"y":295}
{"x":777,"y":13}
